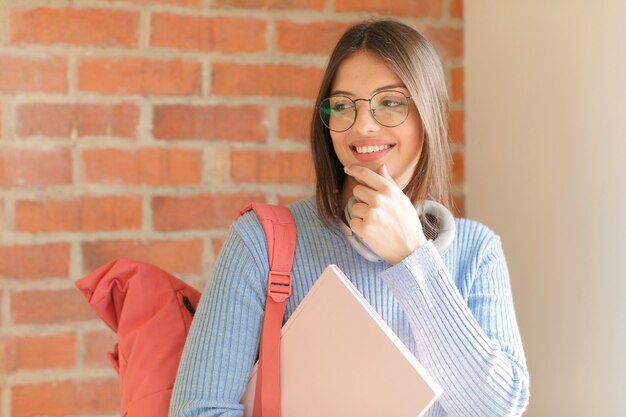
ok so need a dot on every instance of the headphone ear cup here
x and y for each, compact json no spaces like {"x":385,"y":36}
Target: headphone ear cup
{"x":446,"y":226}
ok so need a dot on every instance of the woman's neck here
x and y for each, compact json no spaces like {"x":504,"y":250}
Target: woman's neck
{"x":347,"y":191}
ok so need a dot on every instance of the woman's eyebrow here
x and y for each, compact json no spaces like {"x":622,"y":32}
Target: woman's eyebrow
{"x":390,"y":87}
{"x":384,"y":87}
{"x":340,"y":93}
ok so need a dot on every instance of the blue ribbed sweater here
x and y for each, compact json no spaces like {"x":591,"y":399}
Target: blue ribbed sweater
{"x":455,"y":313}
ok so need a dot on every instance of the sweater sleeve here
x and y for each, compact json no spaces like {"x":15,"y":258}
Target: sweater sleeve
{"x":472,"y":348}
{"x":222,"y":344}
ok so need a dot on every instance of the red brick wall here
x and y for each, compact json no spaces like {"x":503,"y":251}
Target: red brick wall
{"x":138,"y":127}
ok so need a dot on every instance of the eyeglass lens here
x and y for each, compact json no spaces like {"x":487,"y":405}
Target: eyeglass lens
{"x":389,"y":108}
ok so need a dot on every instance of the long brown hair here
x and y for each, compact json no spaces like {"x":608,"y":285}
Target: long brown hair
{"x":411,"y":56}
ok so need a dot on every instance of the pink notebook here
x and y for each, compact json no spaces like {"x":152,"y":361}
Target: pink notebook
{"x":339,"y":358}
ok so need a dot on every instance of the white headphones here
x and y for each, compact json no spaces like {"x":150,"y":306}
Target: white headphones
{"x":441,"y":231}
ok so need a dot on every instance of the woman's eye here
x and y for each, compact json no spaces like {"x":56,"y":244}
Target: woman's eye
{"x":391,"y":103}
{"x":342,"y":106}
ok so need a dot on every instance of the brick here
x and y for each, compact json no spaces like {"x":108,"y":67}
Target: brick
{"x":447,"y":41}
{"x":97,"y":345}
{"x":285,"y":200}
{"x":38,"y":352}
{"x":218,"y":244}
{"x":273,"y":4}
{"x":457,"y":127}
{"x":144,"y":76}
{"x":124,"y":120}
{"x":294,"y":123}
{"x":422,"y":8}
{"x":34,"y":167}
{"x":217,"y":122}
{"x":272,"y":167}
{"x":97,"y":27}
{"x":458,"y":88}
{"x":65,"y":398}
{"x":60,"y":120}
{"x":284,"y":80}
{"x":172,"y":2}
{"x":49,"y":260}
{"x":82,"y":214}
{"x":308,"y":38}
{"x":205,"y":211}
{"x":27,"y":74}
{"x":456,"y":9}
{"x":7,"y":350}
{"x":147,"y":166}
{"x":175,"y":256}
{"x":221,"y":34}
{"x":50,"y":307}
{"x":458,"y":168}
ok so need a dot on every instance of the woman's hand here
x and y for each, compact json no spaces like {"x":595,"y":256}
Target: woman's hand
{"x":384,"y":218}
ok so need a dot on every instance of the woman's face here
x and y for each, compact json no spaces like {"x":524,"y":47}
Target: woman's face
{"x":361,"y":76}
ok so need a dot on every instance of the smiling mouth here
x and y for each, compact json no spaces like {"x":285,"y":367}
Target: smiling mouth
{"x":371,"y":149}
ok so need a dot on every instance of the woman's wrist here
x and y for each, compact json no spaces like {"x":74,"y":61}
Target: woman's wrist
{"x":411,"y":247}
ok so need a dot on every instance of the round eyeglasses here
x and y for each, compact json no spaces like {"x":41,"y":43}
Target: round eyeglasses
{"x":388,"y":107}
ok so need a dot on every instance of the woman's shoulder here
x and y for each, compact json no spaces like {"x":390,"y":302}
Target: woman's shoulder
{"x":304,"y":211}
{"x":302,"y":208}
{"x":473,"y":239}
{"x":250,"y":230}
{"x":474,"y":230}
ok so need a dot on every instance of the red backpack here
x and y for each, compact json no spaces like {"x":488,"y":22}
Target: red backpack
{"x":151,"y":312}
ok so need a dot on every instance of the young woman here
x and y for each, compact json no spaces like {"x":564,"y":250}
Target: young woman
{"x":379,"y":134}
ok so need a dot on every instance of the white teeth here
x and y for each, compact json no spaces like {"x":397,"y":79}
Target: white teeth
{"x":370,"y":149}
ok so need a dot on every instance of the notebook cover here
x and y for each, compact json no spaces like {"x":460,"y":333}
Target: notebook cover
{"x":340,"y":358}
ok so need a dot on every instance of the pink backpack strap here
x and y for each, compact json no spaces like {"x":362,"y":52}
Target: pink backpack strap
{"x":280,"y":233}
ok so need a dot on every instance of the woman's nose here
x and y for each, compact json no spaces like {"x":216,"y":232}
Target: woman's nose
{"x":364,"y":122}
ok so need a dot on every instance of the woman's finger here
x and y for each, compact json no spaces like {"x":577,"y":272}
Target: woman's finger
{"x":365,"y":194}
{"x":384,"y":172}
{"x":356,"y":225}
{"x":366,"y":176}
{"x":359,"y":210}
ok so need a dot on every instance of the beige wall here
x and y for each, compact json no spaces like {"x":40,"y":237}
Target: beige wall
{"x":546,"y":169}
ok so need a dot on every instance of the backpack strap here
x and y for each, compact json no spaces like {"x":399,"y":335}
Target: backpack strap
{"x":280,"y":233}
